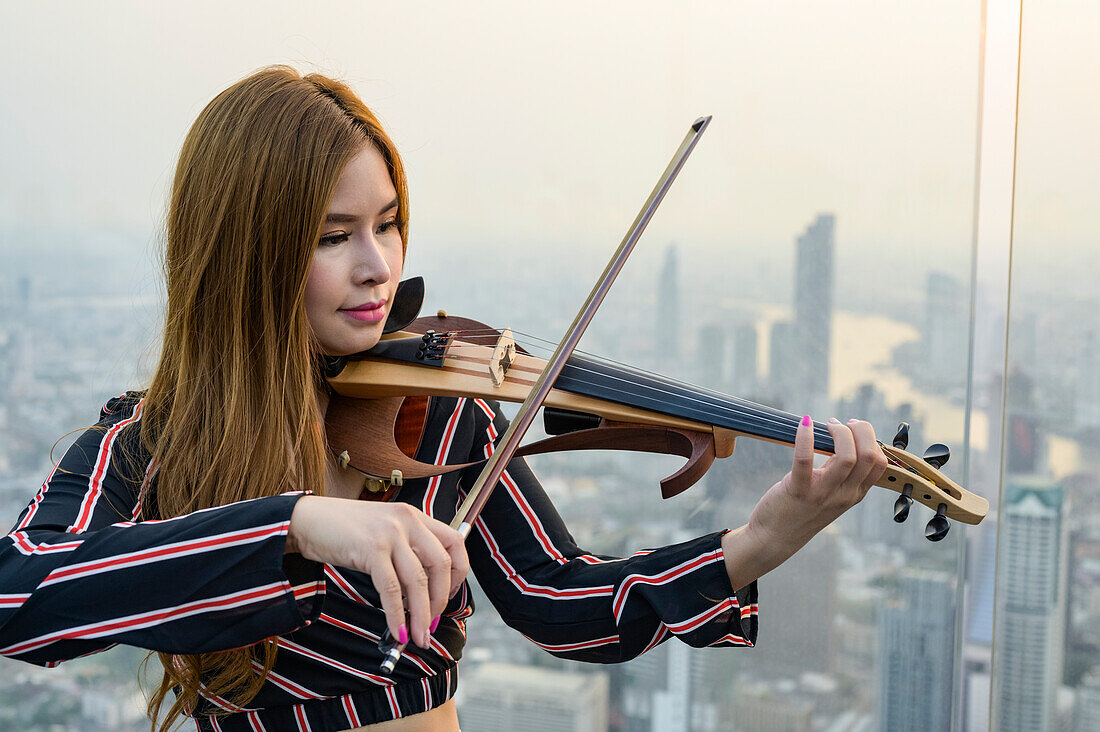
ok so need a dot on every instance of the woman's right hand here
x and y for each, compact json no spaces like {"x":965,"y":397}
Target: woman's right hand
{"x":411,"y":557}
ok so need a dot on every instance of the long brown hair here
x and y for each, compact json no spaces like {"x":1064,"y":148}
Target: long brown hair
{"x":232,"y":412}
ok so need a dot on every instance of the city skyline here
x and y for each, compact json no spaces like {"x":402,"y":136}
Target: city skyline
{"x":963,"y":301}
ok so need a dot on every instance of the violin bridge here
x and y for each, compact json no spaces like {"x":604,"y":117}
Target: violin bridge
{"x":503,"y":355}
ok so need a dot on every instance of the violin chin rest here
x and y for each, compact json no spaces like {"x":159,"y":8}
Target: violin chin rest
{"x":407,"y":301}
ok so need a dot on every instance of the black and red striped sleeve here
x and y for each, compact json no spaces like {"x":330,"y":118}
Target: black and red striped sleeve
{"x":588,"y":607}
{"x":79,"y":572}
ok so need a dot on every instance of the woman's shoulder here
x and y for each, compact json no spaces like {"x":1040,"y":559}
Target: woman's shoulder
{"x":121,"y":406}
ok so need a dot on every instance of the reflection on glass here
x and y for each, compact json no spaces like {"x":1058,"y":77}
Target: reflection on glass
{"x":1047,"y":634}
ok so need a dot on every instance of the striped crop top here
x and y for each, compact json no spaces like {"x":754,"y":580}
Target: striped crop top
{"x":81,"y":571}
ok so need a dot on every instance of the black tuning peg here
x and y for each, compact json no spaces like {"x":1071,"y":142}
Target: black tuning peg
{"x":938,"y":525}
{"x":937,"y":455}
{"x":901,"y":439}
{"x":901,"y":506}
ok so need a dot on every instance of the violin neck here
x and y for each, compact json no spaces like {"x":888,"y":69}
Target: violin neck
{"x":631,"y":387}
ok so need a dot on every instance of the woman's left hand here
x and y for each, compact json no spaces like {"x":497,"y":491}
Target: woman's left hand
{"x":805,"y":500}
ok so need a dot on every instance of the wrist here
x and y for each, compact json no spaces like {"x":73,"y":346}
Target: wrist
{"x":293,"y":530}
{"x":751,"y":552}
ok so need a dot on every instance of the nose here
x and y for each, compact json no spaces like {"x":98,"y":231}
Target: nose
{"x":370,"y":262}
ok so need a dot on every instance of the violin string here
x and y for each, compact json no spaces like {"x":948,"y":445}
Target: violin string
{"x":757,"y":409}
{"x":603,"y":360}
{"x":768,"y":416}
{"x":703,"y":412}
{"x":775,"y":417}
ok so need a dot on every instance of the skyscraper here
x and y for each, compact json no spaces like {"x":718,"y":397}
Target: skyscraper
{"x":806,"y":580}
{"x":1030,"y":607}
{"x":668,"y":324}
{"x":784,"y":368}
{"x":501,"y":697}
{"x":743,"y":376}
{"x":1087,"y":713}
{"x":710,"y":357}
{"x":916,"y":644}
{"x":813,"y":309}
{"x":946,"y":328}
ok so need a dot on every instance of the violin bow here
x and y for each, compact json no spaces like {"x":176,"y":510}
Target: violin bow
{"x":482,"y":488}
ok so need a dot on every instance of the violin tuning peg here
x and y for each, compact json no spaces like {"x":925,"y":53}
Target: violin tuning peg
{"x":901,"y":439}
{"x":901,"y":508}
{"x":938,"y":525}
{"x":937,"y":455}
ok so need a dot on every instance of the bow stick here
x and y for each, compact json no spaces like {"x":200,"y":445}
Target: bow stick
{"x":482,"y":488}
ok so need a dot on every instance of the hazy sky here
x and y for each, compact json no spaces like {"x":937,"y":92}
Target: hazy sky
{"x":544,"y":125}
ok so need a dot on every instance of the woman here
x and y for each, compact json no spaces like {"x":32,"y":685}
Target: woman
{"x":205,"y":519}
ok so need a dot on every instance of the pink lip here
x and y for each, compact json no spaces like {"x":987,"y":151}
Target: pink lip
{"x":368,"y":311}
{"x":367,"y":306}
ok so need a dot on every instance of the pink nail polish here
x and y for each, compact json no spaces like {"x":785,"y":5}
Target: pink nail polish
{"x":850,"y":421}
{"x":403,"y":635}
{"x":806,"y":421}
{"x":834,"y":420}
{"x":434,"y":625}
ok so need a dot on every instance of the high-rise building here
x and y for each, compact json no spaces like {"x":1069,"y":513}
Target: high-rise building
{"x":1087,"y":402}
{"x":813,"y":308}
{"x":500,"y":697}
{"x":761,"y":707}
{"x":946,"y":328}
{"x":1087,"y":707}
{"x":784,"y":369}
{"x":806,"y":580}
{"x":710,"y":357}
{"x":668,"y":324}
{"x":916,"y":644}
{"x":1030,"y":606}
{"x":743,"y":374}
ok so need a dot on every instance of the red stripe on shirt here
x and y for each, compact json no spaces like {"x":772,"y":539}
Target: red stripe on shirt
{"x":167,"y":551}
{"x":391,"y":697}
{"x":37,"y":499}
{"x":255,"y":723}
{"x":103,"y":460}
{"x":349,"y":709}
{"x":441,"y":457}
{"x":332,"y":662}
{"x":578,"y":593}
{"x":142,"y":620}
{"x":576,"y":646}
{"x":669,"y":575}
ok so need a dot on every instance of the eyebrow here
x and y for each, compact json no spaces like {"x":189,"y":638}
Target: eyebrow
{"x":344,"y":218}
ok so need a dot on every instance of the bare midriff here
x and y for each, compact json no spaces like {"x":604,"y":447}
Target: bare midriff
{"x":441,"y":719}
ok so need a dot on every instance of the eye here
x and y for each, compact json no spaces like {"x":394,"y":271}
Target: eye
{"x":391,"y":225}
{"x":334,"y":239}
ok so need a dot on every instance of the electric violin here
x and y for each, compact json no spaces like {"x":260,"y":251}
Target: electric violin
{"x":588,"y":403}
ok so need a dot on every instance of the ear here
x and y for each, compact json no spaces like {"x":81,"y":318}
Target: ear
{"x":407,"y":302}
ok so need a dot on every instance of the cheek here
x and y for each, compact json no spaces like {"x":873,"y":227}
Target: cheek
{"x":317,"y":292}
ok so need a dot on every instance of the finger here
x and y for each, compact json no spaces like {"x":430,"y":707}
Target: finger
{"x":803,"y":468}
{"x":863,"y":435}
{"x":455,"y":546}
{"x":415,"y":582}
{"x":388,"y":586}
{"x":437,"y":563}
{"x":871,"y":457}
{"x":843,"y":460}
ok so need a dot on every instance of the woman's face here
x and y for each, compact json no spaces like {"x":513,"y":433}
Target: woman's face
{"x":357,"y":263}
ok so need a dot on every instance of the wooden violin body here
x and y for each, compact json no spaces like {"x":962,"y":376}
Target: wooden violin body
{"x":615,"y":408}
